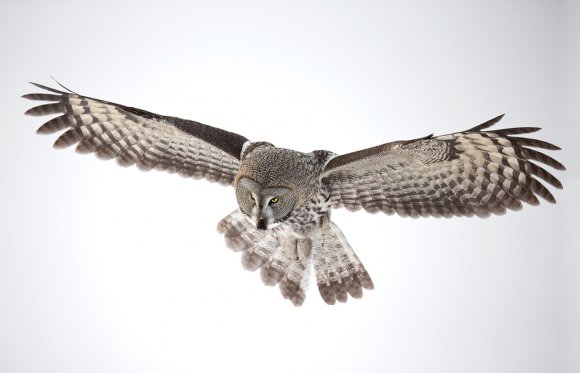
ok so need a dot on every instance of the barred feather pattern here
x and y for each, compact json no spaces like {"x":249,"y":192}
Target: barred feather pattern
{"x":286,"y":260}
{"x":265,"y":249}
{"x":339,"y":272}
{"x":474,"y":172}
{"x":132,"y":136}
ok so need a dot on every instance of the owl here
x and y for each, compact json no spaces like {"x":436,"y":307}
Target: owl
{"x":283,"y":225}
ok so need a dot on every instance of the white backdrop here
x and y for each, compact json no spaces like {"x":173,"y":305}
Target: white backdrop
{"x":105,"y":269}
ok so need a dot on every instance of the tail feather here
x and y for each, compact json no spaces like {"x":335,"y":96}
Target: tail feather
{"x":286,"y":261}
{"x":238,"y":232}
{"x":275,"y":268}
{"x":293,"y":286}
{"x":255,"y":257}
{"x":338,"y":270}
{"x":266,"y":250}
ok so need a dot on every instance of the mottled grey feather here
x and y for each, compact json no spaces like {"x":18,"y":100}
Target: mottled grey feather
{"x":266,"y":250}
{"x":463,"y":174}
{"x":338,"y":270}
{"x":135,"y":136}
{"x":283,"y":225}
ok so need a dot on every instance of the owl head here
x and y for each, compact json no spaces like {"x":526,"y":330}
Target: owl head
{"x":273,"y":182}
{"x":266,"y":205}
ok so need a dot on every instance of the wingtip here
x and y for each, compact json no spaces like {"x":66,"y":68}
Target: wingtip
{"x":46,"y":88}
{"x":487,"y":124}
{"x":493,"y":121}
{"x":38,"y":85}
{"x":33,"y":112}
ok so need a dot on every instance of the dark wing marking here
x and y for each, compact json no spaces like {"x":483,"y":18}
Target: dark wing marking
{"x":136,"y":136}
{"x":474,"y":172}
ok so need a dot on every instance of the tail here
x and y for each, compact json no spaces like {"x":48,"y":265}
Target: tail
{"x":265,"y":250}
{"x":286,"y":260}
{"x":338,"y":270}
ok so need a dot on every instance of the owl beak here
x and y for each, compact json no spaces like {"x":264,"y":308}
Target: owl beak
{"x":261,"y":224}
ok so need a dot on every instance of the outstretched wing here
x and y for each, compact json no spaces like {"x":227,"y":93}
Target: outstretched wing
{"x":474,"y":172}
{"x":135,"y":136}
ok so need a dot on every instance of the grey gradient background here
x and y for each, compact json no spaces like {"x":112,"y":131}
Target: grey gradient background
{"x":105,"y":269}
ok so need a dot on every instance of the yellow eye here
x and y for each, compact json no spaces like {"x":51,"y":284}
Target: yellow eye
{"x":274,"y":200}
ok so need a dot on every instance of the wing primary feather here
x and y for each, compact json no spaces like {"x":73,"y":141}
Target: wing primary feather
{"x":523,"y":141}
{"x":70,"y":137}
{"x":535,"y":155}
{"x":46,"y":109}
{"x":54,"y":125}
{"x":42,"y":97}
{"x":63,"y":87}
{"x":542,"y":191}
{"x":544,"y":175}
{"x":487,"y":124}
{"x":49,"y":89}
{"x":516,"y":130}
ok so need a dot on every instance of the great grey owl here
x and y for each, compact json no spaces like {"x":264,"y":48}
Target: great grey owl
{"x":285,"y":197}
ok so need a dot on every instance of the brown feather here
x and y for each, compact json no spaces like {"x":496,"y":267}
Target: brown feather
{"x":111,"y":130}
{"x":475,"y":173}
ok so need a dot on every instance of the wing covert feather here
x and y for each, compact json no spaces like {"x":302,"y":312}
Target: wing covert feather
{"x":136,"y":136}
{"x":474,"y":172}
